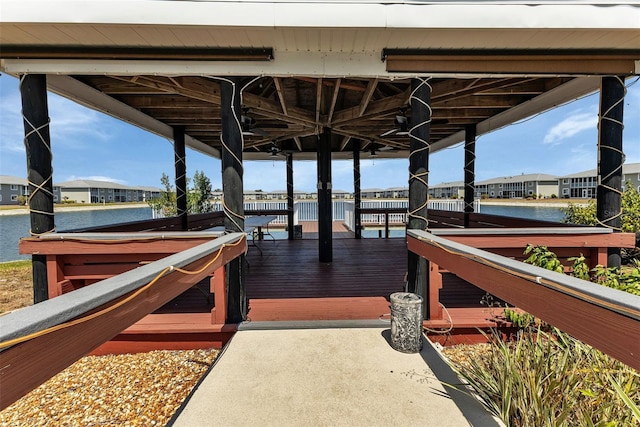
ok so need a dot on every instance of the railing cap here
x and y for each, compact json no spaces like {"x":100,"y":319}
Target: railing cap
{"x":73,"y":304}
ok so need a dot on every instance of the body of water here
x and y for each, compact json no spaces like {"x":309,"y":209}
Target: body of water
{"x":14,"y":227}
{"x":541,"y":213}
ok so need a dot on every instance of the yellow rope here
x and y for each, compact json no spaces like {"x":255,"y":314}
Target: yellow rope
{"x":106,"y":310}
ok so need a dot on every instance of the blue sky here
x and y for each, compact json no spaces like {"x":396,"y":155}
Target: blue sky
{"x":90,"y":145}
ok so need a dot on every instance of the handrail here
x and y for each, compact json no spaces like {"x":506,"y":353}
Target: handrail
{"x":174,"y":223}
{"x":605,"y":318}
{"x":63,"y":329}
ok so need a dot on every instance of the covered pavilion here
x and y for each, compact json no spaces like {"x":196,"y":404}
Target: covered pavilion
{"x":319,"y":80}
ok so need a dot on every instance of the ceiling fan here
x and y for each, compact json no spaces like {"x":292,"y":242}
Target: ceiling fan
{"x":274,"y":150}
{"x":402,"y":122}
{"x":250,"y":126}
{"x":374,"y":148}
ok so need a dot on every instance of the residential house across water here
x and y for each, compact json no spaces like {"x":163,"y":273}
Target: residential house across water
{"x":13,"y":187}
{"x":447,"y":190}
{"x":93,"y":191}
{"x":519,"y":186}
{"x":583,"y":185}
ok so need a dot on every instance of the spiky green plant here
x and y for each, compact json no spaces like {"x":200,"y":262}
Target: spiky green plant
{"x":552,"y":379}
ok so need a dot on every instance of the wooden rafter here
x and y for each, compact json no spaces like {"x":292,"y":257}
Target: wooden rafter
{"x":366,"y":97}
{"x":318,"y":99}
{"x":334,"y":99}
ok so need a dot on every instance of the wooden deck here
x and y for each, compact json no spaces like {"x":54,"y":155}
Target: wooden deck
{"x":286,"y":282}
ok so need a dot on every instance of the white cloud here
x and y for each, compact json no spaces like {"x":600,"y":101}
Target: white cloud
{"x":11,"y":129}
{"x":72,"y":122}
{"x":570,"y":126}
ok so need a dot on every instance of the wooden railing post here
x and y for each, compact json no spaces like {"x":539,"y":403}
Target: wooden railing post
{"x":219,"y":289}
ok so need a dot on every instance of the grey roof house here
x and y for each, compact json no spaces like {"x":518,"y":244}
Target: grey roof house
{"x":12,"y":187}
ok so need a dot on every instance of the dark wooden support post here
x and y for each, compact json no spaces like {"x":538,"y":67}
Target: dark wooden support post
{"x":232,"y":189}
{"x":610,"y":159}
{"x":325,"y":215}
{"x":37,"y":141}
{"x":357,"y":195}
{"x":290,"y":224}
{"x":420,"y":99}
{"x":469,"y":170}
{"x":181,"y":175}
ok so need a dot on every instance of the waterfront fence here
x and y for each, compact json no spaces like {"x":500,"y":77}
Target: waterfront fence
{"x":378,"y":219}
{"x":343,"y":210}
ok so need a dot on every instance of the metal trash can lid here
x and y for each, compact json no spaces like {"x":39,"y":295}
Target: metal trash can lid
{"x":405,"y":298}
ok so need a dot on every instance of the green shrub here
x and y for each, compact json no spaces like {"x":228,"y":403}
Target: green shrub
{"x":587,"y":214}
{"x":545,"y":377}
{"x":552,"y":379}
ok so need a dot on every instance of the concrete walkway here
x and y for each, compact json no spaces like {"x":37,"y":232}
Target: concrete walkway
{"x":327,"y":377}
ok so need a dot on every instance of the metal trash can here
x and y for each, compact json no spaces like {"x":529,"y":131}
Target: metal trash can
{"x":406,"y":322}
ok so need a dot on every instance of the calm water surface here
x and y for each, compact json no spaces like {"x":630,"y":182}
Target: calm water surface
{"x":14,"y":227}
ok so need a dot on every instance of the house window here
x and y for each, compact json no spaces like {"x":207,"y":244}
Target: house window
{"x":565,"y":180}
{"x":14,"y":187}
{"x":493,"y":194}
{"x":500,"y":186}
{"x":531,"y":184}
{"x":14,"y":198}
{"x":55,"y":198}
{"x":565,"y":191}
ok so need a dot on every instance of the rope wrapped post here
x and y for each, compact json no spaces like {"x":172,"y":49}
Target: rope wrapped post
{"x":469,"y":170}
{"x":357,"y":194}
{"x":37,"y":141}
{"x":232,"y":188}
{"x":290,"y":219}
{"x":181,"y":176}
{"x":406,"y":322}
{"x":610,"y":159}
{"x":417,"y":274}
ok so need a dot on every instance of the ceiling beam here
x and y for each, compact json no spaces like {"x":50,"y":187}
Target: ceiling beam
{"x":387,"y":105}
{"x":366,"y":97}
{"x":334,"y":99}
{"x":527,"y":62}
{"x":283,"y":104}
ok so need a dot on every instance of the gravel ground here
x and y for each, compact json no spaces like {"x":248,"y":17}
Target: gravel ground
{"x":460,"y":355}
{"x":142,"y":389}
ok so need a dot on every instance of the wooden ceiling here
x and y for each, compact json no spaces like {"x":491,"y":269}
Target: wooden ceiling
{"x":288,"y":113}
